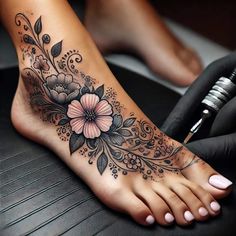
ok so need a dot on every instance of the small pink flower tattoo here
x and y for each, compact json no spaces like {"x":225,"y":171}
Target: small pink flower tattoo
{"x":90,"y":115}
{"x":41,"y":63}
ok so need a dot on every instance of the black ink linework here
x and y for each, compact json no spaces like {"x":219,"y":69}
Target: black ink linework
{"x":88,"y":116}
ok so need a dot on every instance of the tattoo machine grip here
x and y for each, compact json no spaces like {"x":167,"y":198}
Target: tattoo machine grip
{"x":222,"y":91}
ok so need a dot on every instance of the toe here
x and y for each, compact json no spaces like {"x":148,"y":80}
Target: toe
{"x":205,"y":197}
{"x":201,"y":173}
{"x":136,"y":208}
{"x":180,"y":210}
{"x":181,"y":72}
{"x":122,"y":199}
{"x":195,"y":65}
{"x":158,"y":206}
{"x":196,"y":206}
{"x":190,"y":58}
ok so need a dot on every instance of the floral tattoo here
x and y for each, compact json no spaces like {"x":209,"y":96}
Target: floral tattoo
{"x":89,"y":116}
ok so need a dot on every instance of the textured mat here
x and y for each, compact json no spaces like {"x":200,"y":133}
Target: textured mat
{"x":41,"y":196}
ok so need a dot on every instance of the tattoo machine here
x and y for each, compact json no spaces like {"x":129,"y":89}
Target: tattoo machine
{"x":222,"y":91}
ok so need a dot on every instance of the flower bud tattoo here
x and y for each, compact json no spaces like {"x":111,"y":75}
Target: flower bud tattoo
{"x":87,"y":114}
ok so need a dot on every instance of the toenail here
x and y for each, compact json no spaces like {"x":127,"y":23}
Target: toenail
{"x":215,"y":206}
{"x":150,"y":220}
{"x":219,"y":181}
{"x":203,"y":211}
{"x":169,"y":218}
{"x":188,"y":216}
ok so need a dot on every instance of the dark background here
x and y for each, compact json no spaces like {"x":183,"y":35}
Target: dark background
{"x":214,"y":19}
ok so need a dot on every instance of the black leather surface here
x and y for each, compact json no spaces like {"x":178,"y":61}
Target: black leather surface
{"x":41,"y":196}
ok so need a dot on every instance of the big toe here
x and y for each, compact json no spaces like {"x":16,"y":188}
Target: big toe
{"x":158,"y":206}
{"x":191,"y":60}
{"x":136,"y":208}
{"x":204,"y":175}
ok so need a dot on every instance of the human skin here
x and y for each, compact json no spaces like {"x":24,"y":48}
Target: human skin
{"x":135,"y":26}
{"x":79,"y":110}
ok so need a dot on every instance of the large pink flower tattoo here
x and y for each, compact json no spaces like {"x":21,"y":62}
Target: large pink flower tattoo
{"x":90,"y":115}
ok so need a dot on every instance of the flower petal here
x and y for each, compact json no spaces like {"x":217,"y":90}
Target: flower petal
{"x":59,"y":89}
{"x":75,"y":109}
{"x":103,"y":108}
{"x":71,"y":96}
{"x":46,"y":66}
{"x":104,"y":122}
{"x":40,"y":58}
{"x":36,"y":65}
{"x":68,"y":79}
{"x":91,"y":130}
{"x":89,"y":101}
{"x":77,"y":124}
{"x":51,"y":81}
{"x":61,"y":78}
{"x":72,"y":86}
{"x":54,"y":94}
{"x":62,"y":97}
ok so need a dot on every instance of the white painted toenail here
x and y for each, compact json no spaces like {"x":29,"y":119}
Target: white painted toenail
{"x":215,"y":206}
{"x":169,"y":218}
{"x":188,"y":216}
{"x":203,"y":211}
{"x":150,"y":220}
{"x":219,"y":181}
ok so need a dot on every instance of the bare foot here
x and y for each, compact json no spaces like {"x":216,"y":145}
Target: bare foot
{"x":135,"y":25}
{"x":69,"y":101}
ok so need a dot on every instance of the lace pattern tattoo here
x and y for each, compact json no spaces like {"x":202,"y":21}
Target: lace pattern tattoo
{"x":87,"y":114}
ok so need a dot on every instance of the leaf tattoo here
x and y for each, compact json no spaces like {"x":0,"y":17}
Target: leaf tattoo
{"x":76,"y":142}
{"x":102,"y":163}
{"x":56,"y":49}
{"x":100,"y":91}
{"x":129,"y":122}
{"x":38,"y":26}
{"x":28,"y":39}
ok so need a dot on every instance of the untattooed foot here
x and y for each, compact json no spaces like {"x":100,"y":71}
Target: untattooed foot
{"x":69,"y":101}
{"x":134,"y":25}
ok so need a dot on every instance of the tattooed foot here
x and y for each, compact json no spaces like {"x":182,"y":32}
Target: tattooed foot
{"x":113,"y":29}
{"x":125,"y":159}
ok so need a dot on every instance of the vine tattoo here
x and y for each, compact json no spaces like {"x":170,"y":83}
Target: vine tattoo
{"x":89,"y":116}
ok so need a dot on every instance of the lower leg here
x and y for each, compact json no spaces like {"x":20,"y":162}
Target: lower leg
{"x":79,"y":110}
{"x":135,"y":25}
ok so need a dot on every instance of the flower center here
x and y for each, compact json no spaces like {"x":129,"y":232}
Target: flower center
{"x":90,"y":115}
{"x":133,"y":162}
{"x":61,"y":88}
